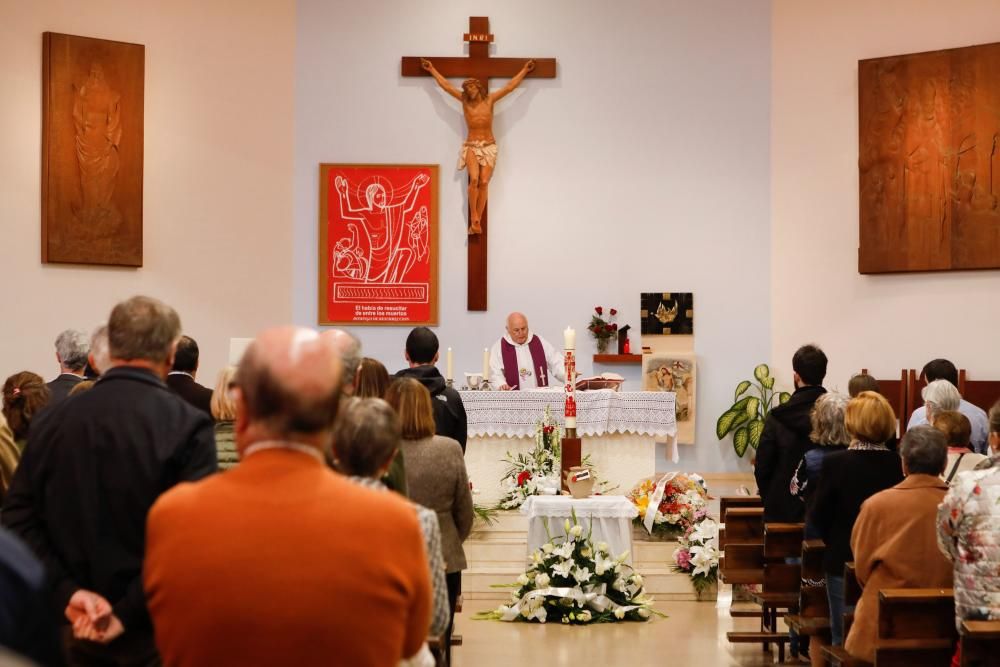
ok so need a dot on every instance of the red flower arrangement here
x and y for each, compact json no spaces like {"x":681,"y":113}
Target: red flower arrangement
{"x":603,"y":330}
{"x":523,"y":477}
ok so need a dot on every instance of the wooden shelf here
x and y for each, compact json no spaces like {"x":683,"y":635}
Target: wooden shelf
{"x":617,"y":358}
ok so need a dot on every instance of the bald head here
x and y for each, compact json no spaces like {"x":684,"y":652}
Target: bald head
{"x":517,"y":328}
{"x":349,"y":348}
{"x":290,"y":379}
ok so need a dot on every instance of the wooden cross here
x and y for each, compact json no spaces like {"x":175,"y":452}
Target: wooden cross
{"x":479,"y":65}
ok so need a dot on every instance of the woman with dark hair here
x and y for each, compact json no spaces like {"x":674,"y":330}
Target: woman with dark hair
{"x":24,"y":395}
{"x":435,"y":475}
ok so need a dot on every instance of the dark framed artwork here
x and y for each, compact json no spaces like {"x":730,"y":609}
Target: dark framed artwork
{"x":378,"y":240}
{"x":92,"y":150}
{"x":665,"y":313}
{"x":929,"y":161}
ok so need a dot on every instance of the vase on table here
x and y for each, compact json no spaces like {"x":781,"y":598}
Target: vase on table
{"x":603,"y":344}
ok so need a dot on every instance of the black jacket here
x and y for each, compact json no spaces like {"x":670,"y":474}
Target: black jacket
{"x":92,"y":468}
{"x":184,"y":386}
{"x":449,"y":412}
{"x":846,"y":480}
{"x":28,"y":624}
{"x":60,"y":387}
{"x":784,"y":440}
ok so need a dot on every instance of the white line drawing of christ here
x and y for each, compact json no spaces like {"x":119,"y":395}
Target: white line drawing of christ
{"x":388,"y":241}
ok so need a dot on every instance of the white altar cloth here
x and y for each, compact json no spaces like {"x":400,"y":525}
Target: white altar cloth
{"x":599,"y":412}
{"x":610,"y":516}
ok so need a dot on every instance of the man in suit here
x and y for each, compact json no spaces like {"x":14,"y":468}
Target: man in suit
{"x":449,"y":412}
{"x":181,"y":378}
{"x":280,"y":560}
{"x":72,"y":347}
{"x":93,"y":467}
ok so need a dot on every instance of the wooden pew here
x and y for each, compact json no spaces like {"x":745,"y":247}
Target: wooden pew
{"x":742,"y":550}
{"x":980,"y":643}
{"x":780,"y":589}
{"x":983,"y":393}
{"x":916,"y":627}
{"x":732,"y":502}
{"x":743,"y":525}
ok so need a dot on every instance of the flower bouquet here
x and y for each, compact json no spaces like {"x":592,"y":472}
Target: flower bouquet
{"x":675,"y":501}
{"x":573,"y":581}
{"x":603,"y":330}
{"x":529,"y":474}
{"x":698,"y":555}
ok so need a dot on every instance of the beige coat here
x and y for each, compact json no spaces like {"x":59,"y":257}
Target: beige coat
{"x":436,"y":478}
{"x":895,"y":546}
{"x":9,"y":456}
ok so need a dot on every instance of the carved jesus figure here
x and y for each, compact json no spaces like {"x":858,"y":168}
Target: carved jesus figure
{"x":97,"y":118}
{"x":479,"y":152}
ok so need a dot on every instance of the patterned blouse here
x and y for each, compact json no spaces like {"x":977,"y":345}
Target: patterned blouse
{"x":969,"y":535}
{"x":441,"y":611}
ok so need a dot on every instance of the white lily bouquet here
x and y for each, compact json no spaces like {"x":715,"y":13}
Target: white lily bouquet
{"x":573,"y":581}
{"x":530,"y":474}
{"x":698,"y":554}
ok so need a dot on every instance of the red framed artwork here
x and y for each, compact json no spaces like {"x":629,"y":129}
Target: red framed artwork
{"x":378,"y":244}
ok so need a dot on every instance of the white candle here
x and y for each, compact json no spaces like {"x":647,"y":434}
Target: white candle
{"x":486,"y":363}
{"x":448,"y":375}
{"x":569,"y":338}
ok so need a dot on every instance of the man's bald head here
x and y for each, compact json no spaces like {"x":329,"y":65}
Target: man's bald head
{"x":517,"y":328}
{"x":290,"y":380}
{"x":349,"y":348}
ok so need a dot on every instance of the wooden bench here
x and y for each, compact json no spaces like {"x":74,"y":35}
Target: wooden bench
{"x":916,"y":627}
{"x":897,"y":393}
{"x":980,"y":643}
{"x":743,"y":525}
{"x":813,"y":617}
{"x":983,"y":393}
{"x":779,"y":584}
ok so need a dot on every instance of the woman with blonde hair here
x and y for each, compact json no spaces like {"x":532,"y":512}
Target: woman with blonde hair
{"x":847,"y":480}
{"x":223,"y":409}
{"x":373,"y":379}
{"x":435,"y":476}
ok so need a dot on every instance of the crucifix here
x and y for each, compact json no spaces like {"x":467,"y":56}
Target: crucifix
{"x":479,"y":152}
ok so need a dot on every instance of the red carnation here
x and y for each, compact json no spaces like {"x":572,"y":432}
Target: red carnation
{"x":523,"y":477}
{"x":614,"y":327}
{"x":613,"y":312}
{"x":599,"y":310}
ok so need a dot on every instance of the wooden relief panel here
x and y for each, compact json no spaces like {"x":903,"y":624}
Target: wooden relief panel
{"x":92,"y":132}
{"x":928,"y":161}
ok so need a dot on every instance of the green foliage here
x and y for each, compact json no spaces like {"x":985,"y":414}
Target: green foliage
{"x":752,"y":402}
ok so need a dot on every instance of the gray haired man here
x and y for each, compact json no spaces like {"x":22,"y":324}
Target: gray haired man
{"x":72,"y":347}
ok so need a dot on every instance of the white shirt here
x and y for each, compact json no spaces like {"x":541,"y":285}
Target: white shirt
{"x":526,"y":368}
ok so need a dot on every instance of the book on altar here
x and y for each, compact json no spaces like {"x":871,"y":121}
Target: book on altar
{"x":611,"y":381}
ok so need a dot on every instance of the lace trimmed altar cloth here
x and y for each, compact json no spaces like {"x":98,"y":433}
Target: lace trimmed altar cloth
{"x":515,"y":413}
{"x":609,"y":516}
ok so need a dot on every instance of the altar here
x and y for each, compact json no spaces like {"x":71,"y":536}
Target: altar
{"x":619,"y":431}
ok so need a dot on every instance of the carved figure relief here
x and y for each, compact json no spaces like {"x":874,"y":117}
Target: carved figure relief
{"x":97,"y":118}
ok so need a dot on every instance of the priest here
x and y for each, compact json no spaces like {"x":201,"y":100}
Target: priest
{"x":522,"y":360}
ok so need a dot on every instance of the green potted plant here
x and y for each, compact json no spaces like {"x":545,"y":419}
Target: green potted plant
{"x":753,"y":401}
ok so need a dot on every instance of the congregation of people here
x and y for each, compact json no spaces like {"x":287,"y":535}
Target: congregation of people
{"x":309,"y":508}
{"x":918,"y":512}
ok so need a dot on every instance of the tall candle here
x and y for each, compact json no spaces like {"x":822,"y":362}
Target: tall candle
{"x":448,"y":375}
{"x":486,"y":363}
{"x":569,"y":338}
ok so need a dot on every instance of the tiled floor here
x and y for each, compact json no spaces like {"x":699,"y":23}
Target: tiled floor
{"x":693,"y":634}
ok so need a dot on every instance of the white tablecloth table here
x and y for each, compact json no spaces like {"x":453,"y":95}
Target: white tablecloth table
{"x":609,"y":516}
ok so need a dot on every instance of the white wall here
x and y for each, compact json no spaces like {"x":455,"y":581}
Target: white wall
{"x":218,"y":164}
{"x":883,"y":322}
{"x":644,"y":166}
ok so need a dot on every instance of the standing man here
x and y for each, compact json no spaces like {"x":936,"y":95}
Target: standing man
{"x":786,"y":438}
{"x":281,"y":561}
{"x":91,"y":470}
{"x":522,"y":360}
{"x":71,"y":353}
{"x":181,"y":378}
{"x":449,"y":412}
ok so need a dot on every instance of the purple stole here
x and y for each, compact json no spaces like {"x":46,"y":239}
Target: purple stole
{"x":508,"y":354}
